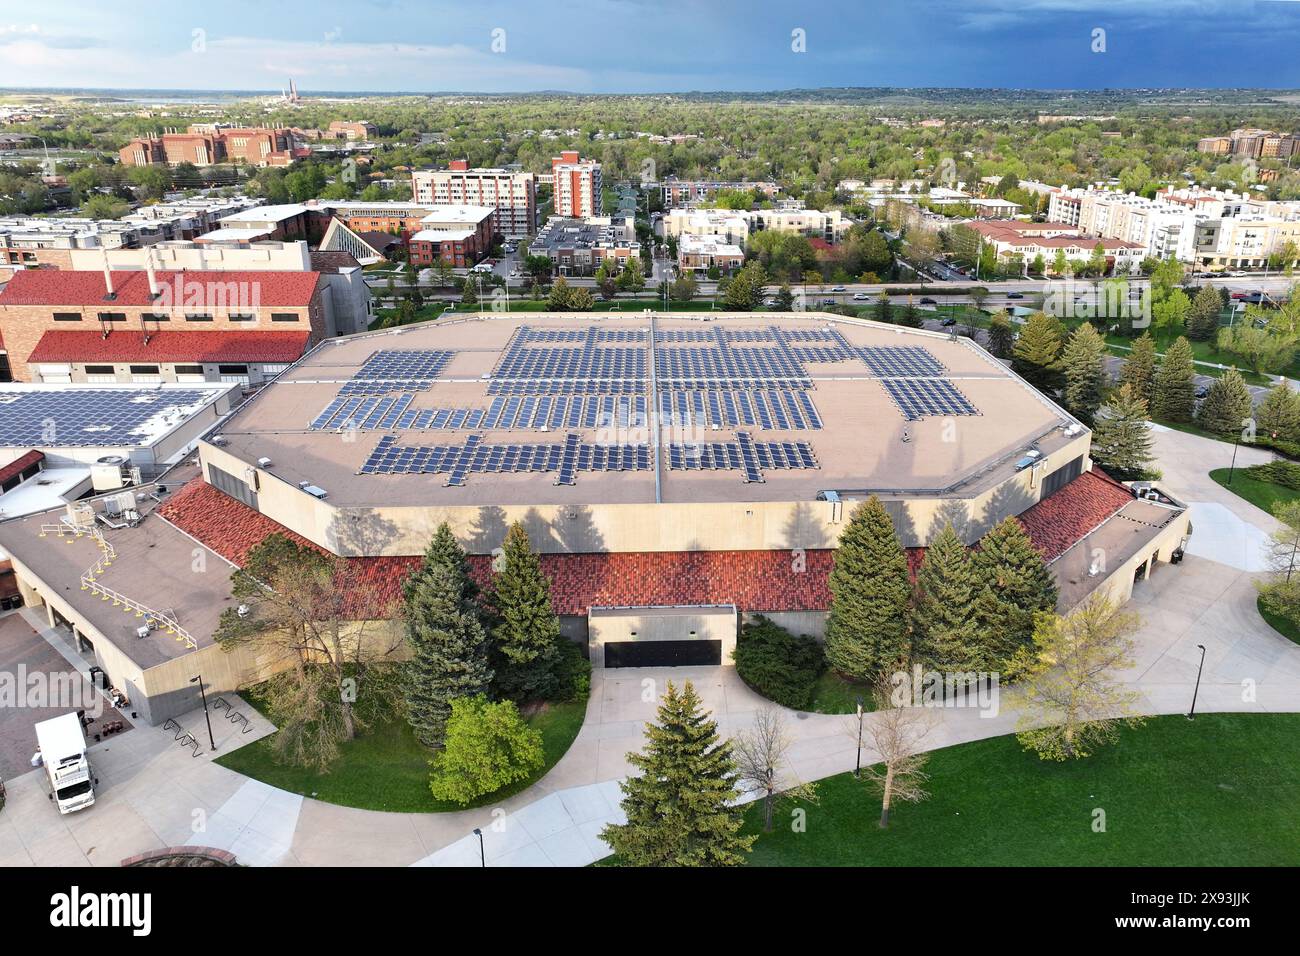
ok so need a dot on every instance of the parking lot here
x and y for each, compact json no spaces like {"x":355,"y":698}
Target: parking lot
{"x":28,"y":695}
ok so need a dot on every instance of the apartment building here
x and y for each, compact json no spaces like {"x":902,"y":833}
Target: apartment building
{"x":511,"y":193}
{"x":1012,"y":237}
{"x":696,"y":192}
{"x":205,"y":144}
{"x":159,"y":325}
{"x":1208,"y":228}
{"x":736,"y":225}
{"x":701,"y":253}
{"x":577,"y":185}
{"x":1252,"y":144}
{"x":579,"y":246}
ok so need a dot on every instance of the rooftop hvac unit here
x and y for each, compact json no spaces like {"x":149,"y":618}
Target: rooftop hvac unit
{"x":80,"y":514}
{"x":109,"y":473}
{"x":263,"y":463}
{"x":313,"y":490}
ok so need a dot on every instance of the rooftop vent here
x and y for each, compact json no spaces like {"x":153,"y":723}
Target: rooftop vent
{"x":263,"y":463}
{"x":313,"y":490}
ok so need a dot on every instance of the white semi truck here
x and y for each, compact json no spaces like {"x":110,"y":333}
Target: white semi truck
{"x":62,"y":745}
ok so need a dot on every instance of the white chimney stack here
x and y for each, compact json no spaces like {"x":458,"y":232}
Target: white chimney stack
{"x":108,"y":275}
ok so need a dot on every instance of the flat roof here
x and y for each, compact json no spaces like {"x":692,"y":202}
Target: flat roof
{"x":92,"y":416}
{"x":985,"y":419}
{"x":1125,"y":534}
{"x":155,"y":564}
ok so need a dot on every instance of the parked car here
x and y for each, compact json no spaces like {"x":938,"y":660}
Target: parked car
{"x":1015,"y":295}
{"x":928,"y":301}
{"x":1239,"y":274}
{"x":1202,"y":391}
{"x":948,"y":322}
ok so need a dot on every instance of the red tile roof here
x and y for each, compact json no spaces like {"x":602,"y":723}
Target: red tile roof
{"x":1055,"y":524}
{"x":19,"y":465}
{"x":752,"y":580}
{"x":59,"y":345}
{"x":181,"y":289}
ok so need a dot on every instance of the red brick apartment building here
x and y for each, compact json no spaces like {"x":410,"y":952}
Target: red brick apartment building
{"x":163,"y":326}
{"x":205,"y":145}
{"x":576,"y":185}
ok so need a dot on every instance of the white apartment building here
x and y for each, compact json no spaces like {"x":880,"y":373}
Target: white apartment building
{"x":577,"y":185}
{"x":511,"y":193}
{"x":736,"y":225}
{"x":1209,"y":229}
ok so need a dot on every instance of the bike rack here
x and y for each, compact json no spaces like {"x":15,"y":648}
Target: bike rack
{"x":232,"y":715}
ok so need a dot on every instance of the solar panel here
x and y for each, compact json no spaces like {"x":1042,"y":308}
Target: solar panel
{"x":900,"y":360}
{"x":743,"y":454}
{"x":76,"y":417}
{"x":922,"y":397}
{"x":460,"y":461}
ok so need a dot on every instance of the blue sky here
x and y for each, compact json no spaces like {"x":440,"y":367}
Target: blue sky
{"x":642,"y":46}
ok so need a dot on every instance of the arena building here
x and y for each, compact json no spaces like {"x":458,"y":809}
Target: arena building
{"x":771,"y":430}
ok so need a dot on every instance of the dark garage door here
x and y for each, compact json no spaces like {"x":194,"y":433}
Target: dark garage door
{"x":662,"y":653}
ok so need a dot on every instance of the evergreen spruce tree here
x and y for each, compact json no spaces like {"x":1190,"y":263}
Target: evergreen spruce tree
{"x":1226,"y":406}
{"x":1001,"y":335}
{"x":1084,"y":365}
{"x":866,"y":630}
{"x":911,"y":317}
{"x":944,"y":634}
{"x":1121,"y":438}
{"x":1139,"y":371}
{"x":884,"y":311}
{"x":560,"y":296}
{"x":1278,"y":415}
{"x":445,"y":551}
{"x":1203,"y":319}
{"x":681,"y":806}
{"x":1014,"y":584}
{"x":527,"y":632}
{"x":449,"y":652}
{"x":1036,"y":356}
{"x":1175,"y":384}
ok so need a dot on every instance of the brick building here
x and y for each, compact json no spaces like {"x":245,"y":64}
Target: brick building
{"x":164,"y":326}
{"x":206,"y":144}
{"x":577,"y":185}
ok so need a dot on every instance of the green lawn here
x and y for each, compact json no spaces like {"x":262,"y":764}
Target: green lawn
{"x":1201,"y":352}
{"x":1217,"y":791}
{"x":387,"y":769}
{"x":1279,"y":623}
{"x":1261,"y":494}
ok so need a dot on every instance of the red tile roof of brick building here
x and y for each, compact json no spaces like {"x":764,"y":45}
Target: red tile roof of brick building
{"x":1055,"y":524}
{"x":182,"y":289}
{"x":752,"y":580}
{"x":21,"y":464}
{"x":128,"y":346}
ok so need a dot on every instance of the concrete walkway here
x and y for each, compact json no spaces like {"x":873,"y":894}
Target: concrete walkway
{"x":154,"y":794}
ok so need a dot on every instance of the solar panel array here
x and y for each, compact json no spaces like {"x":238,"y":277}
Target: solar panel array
{"x":397,"y":370}
{"x":474,"y":457}
{"x":743,"y":454}
{"x":586,"y":378}
{"x":918,"y":397}
{"x":551,"y":412}
{"x":786,"y":409}
{"x":88,"y":417}
{"x":900,"y":360}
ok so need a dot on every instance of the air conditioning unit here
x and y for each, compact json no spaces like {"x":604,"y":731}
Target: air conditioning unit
{"x":314,"y":490}
{"x":263,"y":463}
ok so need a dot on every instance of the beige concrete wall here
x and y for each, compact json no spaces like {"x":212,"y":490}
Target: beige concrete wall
{"x":674,"y":526}
{"x":645,"y":624}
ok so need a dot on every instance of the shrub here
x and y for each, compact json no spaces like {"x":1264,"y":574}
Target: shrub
{"x":572,"y":674}
{"x":487,"y":746}
{"x":1282,"y":472}
{"x":779,"y":665}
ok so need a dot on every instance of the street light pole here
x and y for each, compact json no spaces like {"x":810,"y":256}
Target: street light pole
{"x":1235,"y":441}
{"x":482,"y":856}
{"x":206,"y":716}
{"x":857,"y":770}
{"x":1191,"y":714}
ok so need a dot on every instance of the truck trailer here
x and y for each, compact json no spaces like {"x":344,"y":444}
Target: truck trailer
{"x":62,"y":744}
